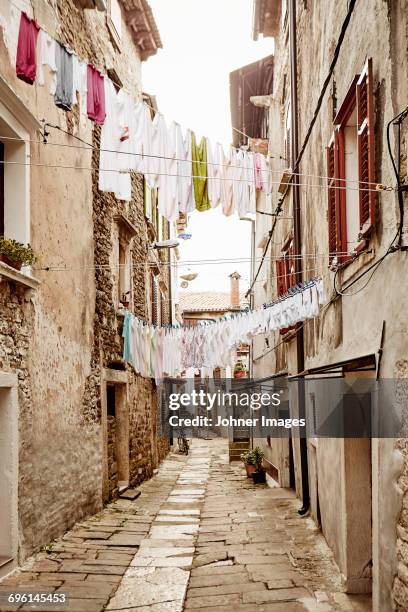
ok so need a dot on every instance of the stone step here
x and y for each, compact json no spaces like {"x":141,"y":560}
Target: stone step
{"x":130,"y":494}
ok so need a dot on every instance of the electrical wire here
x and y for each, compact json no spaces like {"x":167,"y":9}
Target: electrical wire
{"x":90,"y":147}
{"x":176,"y":175}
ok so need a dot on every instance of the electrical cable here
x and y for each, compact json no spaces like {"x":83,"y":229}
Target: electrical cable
{"x":232,"y":180}
{"x":92,"y":148}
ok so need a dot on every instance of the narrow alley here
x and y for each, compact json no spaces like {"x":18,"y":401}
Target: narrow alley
{"x":200,"y":536}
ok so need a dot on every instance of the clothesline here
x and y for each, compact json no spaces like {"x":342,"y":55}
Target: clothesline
{"x":232,"y":180}
{"x":188,"y":175}
{"x":161,"y":351}
{"x":271,"y":171}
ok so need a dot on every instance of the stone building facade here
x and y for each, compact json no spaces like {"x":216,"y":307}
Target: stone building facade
{"x":355,"y":487}
{"x":76,"y":422}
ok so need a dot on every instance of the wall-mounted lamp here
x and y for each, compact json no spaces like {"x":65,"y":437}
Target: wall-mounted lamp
{"x":164,"y":244}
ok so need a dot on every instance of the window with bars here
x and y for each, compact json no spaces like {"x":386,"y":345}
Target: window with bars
{"x":351,"y":171}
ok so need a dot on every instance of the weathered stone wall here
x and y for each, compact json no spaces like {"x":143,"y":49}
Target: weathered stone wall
{"x":58,"y":342}
{"x":112,"y":464}
{"x":108,"y":347}
{"x":400,"y":584}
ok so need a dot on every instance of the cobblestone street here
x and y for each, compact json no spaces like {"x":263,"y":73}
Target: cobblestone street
{"x":200,"y":536}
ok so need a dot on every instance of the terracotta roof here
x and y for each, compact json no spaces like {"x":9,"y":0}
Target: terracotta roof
{"x":204,"y":301}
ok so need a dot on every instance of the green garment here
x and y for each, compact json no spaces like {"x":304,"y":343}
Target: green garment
{"x":199,"y":154}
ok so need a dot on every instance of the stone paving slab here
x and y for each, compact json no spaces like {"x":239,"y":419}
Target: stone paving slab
{"x":200,"y":537}
{"x":268,"y":548}
{"x":89,"y":561}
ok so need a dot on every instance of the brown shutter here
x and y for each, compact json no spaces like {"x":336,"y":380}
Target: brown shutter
{"x":280,"y":276}
{"x":332,"y":210}
{"x":291,"y":267}
{"x":336,"y":213}
{"x":366,"y":148}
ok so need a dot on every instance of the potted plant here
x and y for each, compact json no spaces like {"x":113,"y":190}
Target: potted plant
{"x":258,"y":474}
{"x":15,"y":254}
{"x":240,"y":370}
{"x":249,"y":461}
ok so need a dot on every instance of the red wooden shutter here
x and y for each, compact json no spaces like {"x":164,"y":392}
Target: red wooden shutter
{"x":332,"y":201}
{"x":336,"y":214}
{"x":366,"y":148}
{"x":291,"y":267}
{"x":280,"y":276}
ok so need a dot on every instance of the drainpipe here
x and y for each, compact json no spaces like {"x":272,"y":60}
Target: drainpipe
{"x":300,"y":357}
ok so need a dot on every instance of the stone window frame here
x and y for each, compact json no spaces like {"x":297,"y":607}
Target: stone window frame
{"x":9,"y":403}
{"x":126,"y":232}
{"x":17,"y":122}
{"x":116,"y":36}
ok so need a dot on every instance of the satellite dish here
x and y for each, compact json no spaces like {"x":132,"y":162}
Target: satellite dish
{"x":184,"y":285}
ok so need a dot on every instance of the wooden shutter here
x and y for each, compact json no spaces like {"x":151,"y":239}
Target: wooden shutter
{"x":280,"y":276}
{"x":366,"y":148}
{"x":336,"y":213}
{"x":290,"y":267}
{"x":332,"y":216}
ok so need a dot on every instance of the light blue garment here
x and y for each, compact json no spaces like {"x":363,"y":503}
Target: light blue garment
{"x":127,"y":336}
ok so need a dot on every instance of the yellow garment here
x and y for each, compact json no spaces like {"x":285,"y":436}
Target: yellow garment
{"x":199,"y":168}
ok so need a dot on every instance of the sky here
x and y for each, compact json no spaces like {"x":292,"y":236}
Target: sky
{"x":202,"y":43}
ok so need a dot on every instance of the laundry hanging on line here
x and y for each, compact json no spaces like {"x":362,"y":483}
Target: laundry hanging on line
{"x":189,"y":176}
{"x":26,"y":58}
{"x":166,"y":351}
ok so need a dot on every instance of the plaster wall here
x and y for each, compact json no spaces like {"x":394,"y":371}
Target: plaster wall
{"x":352,"y":326}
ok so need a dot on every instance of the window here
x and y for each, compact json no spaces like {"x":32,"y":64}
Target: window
{"x":350,"y":163}
{"x":14,"y":181}
{"x":285,"y":13}
{"x":124,"y":232}
{"x":124,"y":274}
{"x":286,"y":269}
{"x":114,"y":21}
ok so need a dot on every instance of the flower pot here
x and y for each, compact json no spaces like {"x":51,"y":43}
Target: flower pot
{"x":250,"y":469}
{"x":11,"y":262}
{"x":259,"y":477}
{"x":240,"y":375}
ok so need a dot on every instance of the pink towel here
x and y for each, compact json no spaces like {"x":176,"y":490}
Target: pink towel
{"x":26,"y":62}
{"x":96,"y":96}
